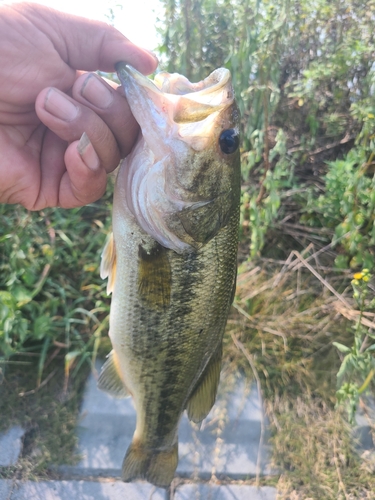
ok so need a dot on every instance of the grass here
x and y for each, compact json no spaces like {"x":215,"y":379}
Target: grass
{"x":51,"y":295}
{"x":314,"y":447}
{"x":286,"y":314}
{"x":48,"y":414}
{"x":53,"y":322}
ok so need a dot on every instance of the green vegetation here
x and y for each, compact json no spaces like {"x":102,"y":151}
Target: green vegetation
{"x":51,"y":296}
{"x":304,"y":76}
{"x":53,"y":314}
{"x":358,"y":360}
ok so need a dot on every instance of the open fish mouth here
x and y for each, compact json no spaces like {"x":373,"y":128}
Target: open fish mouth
{"x":172,"y":107}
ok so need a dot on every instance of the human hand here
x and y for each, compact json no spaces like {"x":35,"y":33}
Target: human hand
{"x":61,"y":130}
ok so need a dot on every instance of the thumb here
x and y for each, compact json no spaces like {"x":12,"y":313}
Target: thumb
{"x":85,"y":44}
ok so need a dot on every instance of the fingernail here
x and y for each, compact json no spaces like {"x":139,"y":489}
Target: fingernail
{"x":87,"y":152}
{"x":95,"y":91}
{"x":60,"y":106}
{"x":152,"y":54}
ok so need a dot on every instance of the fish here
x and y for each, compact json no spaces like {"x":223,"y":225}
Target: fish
{"x":171,"y":259}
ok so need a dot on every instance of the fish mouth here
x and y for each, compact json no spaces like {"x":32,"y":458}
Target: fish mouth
{"x":172,"y":107}
{"x":211,"y":91}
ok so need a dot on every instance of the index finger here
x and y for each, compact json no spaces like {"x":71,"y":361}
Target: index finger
{"x":86,"y":44}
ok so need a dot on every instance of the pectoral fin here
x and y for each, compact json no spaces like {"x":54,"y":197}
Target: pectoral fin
{"x":154,"y":277}
{"x":108,"y":263}
{"x":110,"y":380}
{"x":203,"y":396}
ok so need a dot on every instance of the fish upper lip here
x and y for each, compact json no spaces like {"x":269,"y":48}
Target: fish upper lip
{"x":199,"y":94}
{"x":176,"y":107}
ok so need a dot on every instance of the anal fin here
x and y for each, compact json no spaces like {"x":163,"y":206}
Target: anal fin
{"x":110,"y":380}
{"x":155,"y":465}
{"x":203,"y":396}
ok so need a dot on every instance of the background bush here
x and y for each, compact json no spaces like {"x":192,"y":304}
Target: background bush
{"x":303,"y":72}
{"x":51,"y":295}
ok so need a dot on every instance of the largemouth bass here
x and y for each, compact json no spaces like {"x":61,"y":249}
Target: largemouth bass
{"x":171,"y":260}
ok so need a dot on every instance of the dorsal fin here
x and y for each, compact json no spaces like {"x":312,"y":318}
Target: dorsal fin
{"x":108,"y":263}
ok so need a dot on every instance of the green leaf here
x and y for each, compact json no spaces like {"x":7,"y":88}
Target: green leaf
{"x":42,"y":359}
{"x":71,"y":356}
{"x":41,"y":327}
{"x":348,"y":360}
{"x":342,"y":348}
{"x":22,"y":295}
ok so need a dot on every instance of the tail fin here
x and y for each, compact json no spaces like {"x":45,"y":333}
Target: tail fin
{"x":156,"y":466}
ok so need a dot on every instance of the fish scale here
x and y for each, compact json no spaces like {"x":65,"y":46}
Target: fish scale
{"x":171,"y":264}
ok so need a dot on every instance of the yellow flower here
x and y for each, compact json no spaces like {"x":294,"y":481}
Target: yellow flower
{"x":358,"y":276}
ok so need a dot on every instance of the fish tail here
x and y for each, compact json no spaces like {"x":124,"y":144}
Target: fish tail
{"x":156,"y":466}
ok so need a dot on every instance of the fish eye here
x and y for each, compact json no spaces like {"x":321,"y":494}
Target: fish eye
{"x":229,"y":141}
